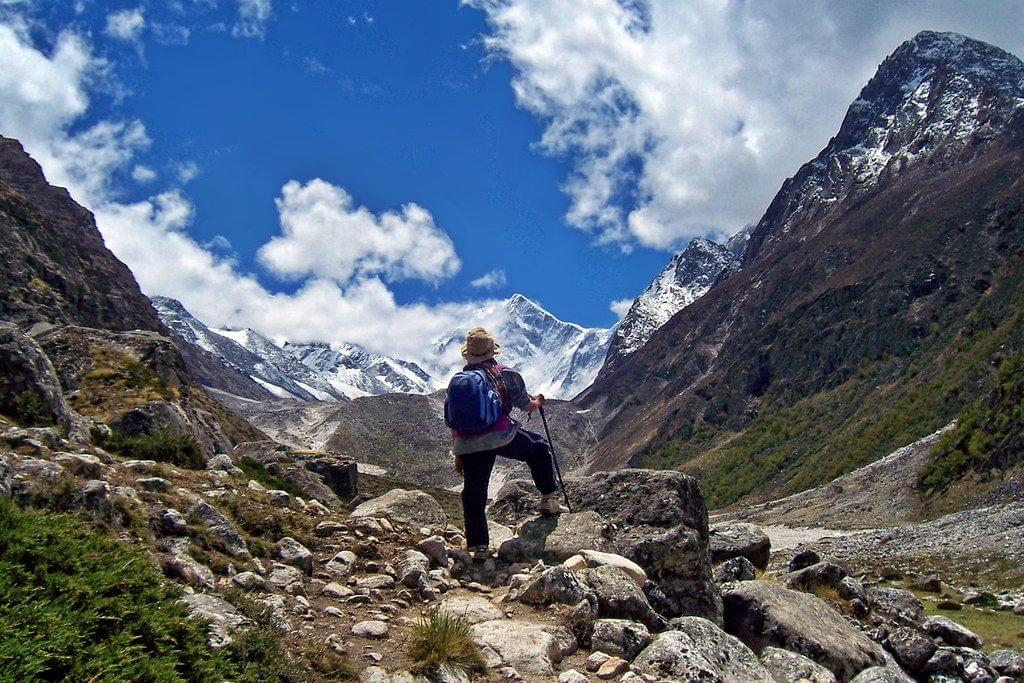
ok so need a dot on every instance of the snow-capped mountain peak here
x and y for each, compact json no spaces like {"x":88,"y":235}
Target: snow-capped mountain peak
{"x":556,"y":358}
{"x":937,"y":98}
{"x":355,"y":371}
{"x":688,"y":275}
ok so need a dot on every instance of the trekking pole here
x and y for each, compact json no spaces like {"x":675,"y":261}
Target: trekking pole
{"x":554,"y":458}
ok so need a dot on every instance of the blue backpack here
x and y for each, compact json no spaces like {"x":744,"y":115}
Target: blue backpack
{"x":472,"y":406}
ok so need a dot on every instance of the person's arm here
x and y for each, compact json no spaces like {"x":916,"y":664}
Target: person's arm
{"x":517,"y":393}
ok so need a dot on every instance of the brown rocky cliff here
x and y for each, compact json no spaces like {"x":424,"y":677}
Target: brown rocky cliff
{"x":54,"y":266}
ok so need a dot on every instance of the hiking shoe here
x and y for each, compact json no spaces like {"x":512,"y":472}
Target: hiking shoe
{"x":550,"y":505}
{"x":481,"y":553}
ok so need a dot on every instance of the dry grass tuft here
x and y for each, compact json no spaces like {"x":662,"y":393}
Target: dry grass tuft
{"x":441,"y":640}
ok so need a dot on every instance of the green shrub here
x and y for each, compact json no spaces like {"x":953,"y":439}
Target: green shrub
{"x":76,"y":605}
{"x":442,"y":640}
{"x":31,"y":410}
{"x":161,"y":445}
{"x":989,"y":434}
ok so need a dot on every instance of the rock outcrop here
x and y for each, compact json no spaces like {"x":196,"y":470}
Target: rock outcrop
{"x":765,"y":614}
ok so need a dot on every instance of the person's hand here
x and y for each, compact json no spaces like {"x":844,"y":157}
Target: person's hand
{"x":458,"y":464}
{"x":539,"y":400}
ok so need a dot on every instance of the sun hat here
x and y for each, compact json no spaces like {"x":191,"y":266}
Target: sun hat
{"x":480,"y":345}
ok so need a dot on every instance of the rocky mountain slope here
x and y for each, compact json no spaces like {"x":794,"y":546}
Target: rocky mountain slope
{"x":687,"y":277}
{"x":873,"y":295}
{"x":54,"y":266}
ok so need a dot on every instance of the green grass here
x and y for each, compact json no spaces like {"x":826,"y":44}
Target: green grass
{"x":162,"y":446}
{"x":77,"y":605}
{"x":442,"y":640}
{"x":998,"y":630}
{"x":989,"y":434}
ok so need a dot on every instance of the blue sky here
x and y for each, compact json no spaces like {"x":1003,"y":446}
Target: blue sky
{"x":567,"y":149}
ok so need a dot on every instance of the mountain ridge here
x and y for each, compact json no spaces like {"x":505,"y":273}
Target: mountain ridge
{"x":870,"y":286}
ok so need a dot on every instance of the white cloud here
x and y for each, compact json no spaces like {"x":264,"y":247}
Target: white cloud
{"x":143,"y":174}
{"x":620,"y":307}
{"x":683,"y":118}
{"x":315,"y":66}
{"x":324,"y":234}
{"x":491,"y":280}
{"x":44,"y":95}
{"x":171,"y":34}
{"x":186,"y":171}
{"x":253,"y":16}
{"x":126,"y":25}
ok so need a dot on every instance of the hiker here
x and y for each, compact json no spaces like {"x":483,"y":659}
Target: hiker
{"x":477,"y":409}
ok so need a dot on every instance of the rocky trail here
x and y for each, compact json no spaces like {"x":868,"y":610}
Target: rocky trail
{"x":632,"y":586}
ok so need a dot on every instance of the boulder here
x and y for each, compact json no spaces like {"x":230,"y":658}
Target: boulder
{"x":803,"y":558}
{"x":30,"y":390}
{"x":340,"y":474}
{"x":220,"y":527}
{"x":1008,"y":663}
{"x":619,"y":597}
{"x":596,"y":558}
{"x":556,"y":538}
{"x":881,"y":674}
{"x":290,"y":551}
{"x":523,"y":645}
{"x":96,"y":497}
{"x":740,"y":539}
{"x":735,"y":569}
{"x":790,"y":667}
{"x":677,"y":561}
{"x":761,"y":613}
{"x":473,"y":608}
{"x":959,"y":663}
{"x":911,"y":648}
{"x":414,"y":509}
{"x":436,"y":549}
{"x":820,"y":574}
{"x":223,"y":617}
{"x":341,"y":564}
{"x":952,"y":633}
{"x":223,"y":463}
{"x":412,"y":568}
{"x":897,"y":605}
{"x":698,"y":650}
{"x":173,"y":522}
{"x":611,"y":668}
{"x":620,"y":637}
{"x":557,"y":584}
{"x":635,"y":500}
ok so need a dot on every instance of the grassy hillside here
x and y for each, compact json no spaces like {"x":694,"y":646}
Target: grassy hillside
{"x":989,"y":435}
{"x":78,"y":605}
{"x":890,"y":402}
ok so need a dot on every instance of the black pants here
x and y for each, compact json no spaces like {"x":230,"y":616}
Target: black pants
{"x":476,"y":474}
